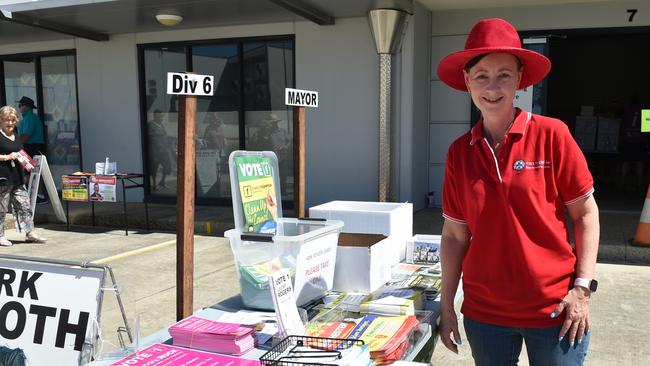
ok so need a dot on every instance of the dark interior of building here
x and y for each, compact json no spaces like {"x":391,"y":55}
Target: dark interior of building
{"x":599,"y":86}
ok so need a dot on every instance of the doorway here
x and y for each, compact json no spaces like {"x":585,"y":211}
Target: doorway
{"x":598,"y":87}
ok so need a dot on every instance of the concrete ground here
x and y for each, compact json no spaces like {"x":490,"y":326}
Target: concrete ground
{"x":146,"y":278}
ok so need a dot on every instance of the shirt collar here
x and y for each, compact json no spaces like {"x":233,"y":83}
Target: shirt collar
{"x":518,"y":126}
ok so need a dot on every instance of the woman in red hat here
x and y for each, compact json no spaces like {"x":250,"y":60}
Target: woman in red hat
{"x":507,"y":185}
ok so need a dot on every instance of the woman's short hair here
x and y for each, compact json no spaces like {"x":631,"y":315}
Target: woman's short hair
{"x":471,"y":63}
{"x":9,"y":110}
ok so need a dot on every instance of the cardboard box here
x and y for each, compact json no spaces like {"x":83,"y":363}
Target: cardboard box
{"x":608,"y":134}
{"x":362,"y":262}
{"x":387,"y":218}
{"x":585,"y":132}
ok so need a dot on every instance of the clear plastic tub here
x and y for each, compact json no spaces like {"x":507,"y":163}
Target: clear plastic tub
{"x":306,"y":247}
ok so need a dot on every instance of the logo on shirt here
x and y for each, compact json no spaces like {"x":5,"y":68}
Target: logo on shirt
{"x":519,"y":165}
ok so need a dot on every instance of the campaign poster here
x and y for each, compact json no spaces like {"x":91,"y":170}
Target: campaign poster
{"x":258,"y":194}
{"x":48,"y":313}
{"x":102,"y":188}
{"x":74,"y":188}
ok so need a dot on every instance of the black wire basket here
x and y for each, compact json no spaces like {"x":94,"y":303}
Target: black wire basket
{"x":289,"y":351}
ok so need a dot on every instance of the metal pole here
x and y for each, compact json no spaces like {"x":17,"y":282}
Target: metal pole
{"x":384,"y":126}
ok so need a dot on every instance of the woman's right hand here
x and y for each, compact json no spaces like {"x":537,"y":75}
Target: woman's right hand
{"x":12,"y":156}
{"x":448,"y":329}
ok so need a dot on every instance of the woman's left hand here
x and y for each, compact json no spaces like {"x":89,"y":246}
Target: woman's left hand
{"x":576,"y":305}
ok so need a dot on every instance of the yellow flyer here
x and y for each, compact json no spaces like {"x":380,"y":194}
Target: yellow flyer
{"x":258,"y":193}
{"x":74,"y":188}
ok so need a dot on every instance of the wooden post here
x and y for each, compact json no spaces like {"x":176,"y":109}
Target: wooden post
{"x":185,"y":206}
{"x":299,"y":160}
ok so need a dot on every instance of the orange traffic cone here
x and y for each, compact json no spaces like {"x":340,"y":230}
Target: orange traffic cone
{"x":642,"y":236}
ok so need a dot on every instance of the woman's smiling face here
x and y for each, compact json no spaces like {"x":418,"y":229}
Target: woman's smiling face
{"x":493,"y":81}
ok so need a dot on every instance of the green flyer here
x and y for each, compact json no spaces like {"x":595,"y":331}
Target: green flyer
{"x":257,"y":189}
{"x":645,"y":120}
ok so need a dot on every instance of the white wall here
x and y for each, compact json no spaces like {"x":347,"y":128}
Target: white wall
{"x":341,"y":63}
{"x":450,"y":110}
{"x":109,"y":112}
{"x":413,"y":109}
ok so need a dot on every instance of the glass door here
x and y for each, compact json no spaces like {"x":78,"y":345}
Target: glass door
{"x":20,"y":79}
{"x":59,"y":109}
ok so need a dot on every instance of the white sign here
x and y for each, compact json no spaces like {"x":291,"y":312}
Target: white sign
{"x":300,"y":98}
{"x":315,"y":268}
{"x":284,"y":303}
{"x":524,"y":99}
{"x":43,"y":171}
{"x":189,"y":84}
{"x":48,"y":312}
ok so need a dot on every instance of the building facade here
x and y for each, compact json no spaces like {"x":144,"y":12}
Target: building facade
{"x":107,"y":97}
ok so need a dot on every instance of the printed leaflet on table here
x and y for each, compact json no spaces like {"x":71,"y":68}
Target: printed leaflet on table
{"x":165,"y":355}
{"x":213,"y":336}
{"x":387,"y":337}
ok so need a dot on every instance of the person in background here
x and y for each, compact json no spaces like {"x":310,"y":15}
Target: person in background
{"x":508,"y":182}
{"x":213,"y":135}
{"x":30,"y":132}
{"x":160,"y":150}
{"x":13,"y":192}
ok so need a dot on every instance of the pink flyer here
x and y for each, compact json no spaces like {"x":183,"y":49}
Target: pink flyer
{"x":165,"y":355}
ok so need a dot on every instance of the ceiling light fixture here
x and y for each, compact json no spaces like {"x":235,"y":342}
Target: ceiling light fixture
{"x":169,"y":20}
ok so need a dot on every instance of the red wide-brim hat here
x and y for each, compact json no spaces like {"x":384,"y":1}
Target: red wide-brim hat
{"x":493,"y":36}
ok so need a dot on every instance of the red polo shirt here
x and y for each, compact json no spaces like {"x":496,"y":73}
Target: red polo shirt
{"x":519,"y":264}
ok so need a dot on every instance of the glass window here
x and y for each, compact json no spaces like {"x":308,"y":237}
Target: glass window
{"x":20,"y":79}
{"x":246,"y":111}
{"x":60,"y":111}
{"x":162,"y":117}
{"x":268,"y":70}
{"x":217,"y":118}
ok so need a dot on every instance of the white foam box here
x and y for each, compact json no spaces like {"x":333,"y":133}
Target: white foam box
{"x":362,"y":263}
{"x":394,"y":220}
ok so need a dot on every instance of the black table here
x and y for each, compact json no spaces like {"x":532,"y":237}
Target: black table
{"x":128,"y":181}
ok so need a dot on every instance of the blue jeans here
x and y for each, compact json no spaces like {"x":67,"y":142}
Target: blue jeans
{"x":494,"y":345}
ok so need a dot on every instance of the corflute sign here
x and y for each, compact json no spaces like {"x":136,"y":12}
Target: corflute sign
{"x":190,"y":84}
{"x":300,"y":98}
{"x":48,"y":313}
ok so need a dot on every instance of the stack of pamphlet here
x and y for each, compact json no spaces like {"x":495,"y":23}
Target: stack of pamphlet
{"x":166,"y":355}
{"x":401,"y":296}
{"x":386,"y":336}
{"x":210,"y":335}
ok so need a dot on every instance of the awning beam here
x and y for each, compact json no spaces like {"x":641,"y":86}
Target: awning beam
{"x":52,"y":26}
{"x":306,"y":11}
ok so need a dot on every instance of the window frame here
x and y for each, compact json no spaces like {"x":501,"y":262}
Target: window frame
{"x":36,"y":57}
{"x":188,"y":44}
